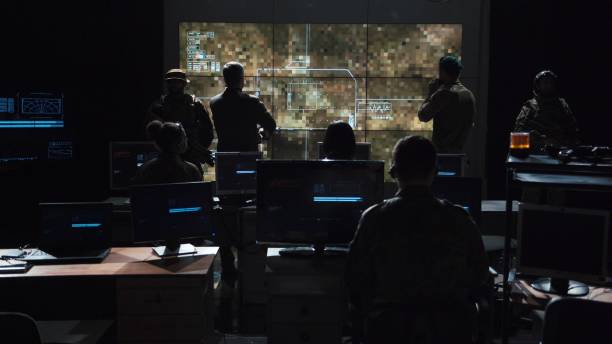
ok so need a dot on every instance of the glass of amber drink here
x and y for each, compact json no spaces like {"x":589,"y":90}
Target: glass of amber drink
{"x":519,"y":144}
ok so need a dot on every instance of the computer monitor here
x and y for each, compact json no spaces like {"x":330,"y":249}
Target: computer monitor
{"x":170,"y":213}
{"x":562,"y":244}
{"x":125,"y":160}
{"x":314,"y":202}
{"x":451,"y":165}
{"x":463,"y":191}
{"x":362,"y":151}
{"x":236,"y":173}
{"x":75,"y":226}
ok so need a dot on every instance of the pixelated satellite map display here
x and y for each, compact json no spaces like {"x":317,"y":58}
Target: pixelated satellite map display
{"x":373,"y":76}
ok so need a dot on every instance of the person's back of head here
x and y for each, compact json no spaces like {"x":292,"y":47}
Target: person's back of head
{"x":450,"y":68}
{"x":233,"y":74}
{"x":414,"y":161}
{"x":169,"y":137}
{"x":339,"y":142}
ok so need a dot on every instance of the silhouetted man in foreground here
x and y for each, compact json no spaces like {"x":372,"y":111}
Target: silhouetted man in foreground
{"x":451,"y":106}
{"x":176,"y":106}
{"x":238,"y":117}
{"x":416,"y":260}
{"x":547,"y":117}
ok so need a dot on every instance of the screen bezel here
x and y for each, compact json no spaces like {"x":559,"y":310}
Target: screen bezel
{"x":297,"y":163}
{"x":321,"y":153}
{"x":474,"y":185}
{"x":461,"y":157}
{"x":227,"y":192}
{"x":111,"y":148}
{"x":105,"y":207}
{"x":206,"y":233}
{"x":532,"y":270}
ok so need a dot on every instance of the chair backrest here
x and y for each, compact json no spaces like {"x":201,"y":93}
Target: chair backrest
{"x":18,"y":328}
{"x":577,"y":321}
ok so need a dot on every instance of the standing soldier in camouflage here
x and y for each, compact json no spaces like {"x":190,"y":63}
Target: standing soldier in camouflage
{"x":177,"y":106}
{"x":451,"y":106}
{"x":547,"y":117}
{"x":417,"y":263}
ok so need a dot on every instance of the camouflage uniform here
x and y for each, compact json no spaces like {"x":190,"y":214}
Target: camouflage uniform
{"x":452,"y":108}
{"x":423,"y":257}
{"x":549,"y":120}
{"x":190,"y":112}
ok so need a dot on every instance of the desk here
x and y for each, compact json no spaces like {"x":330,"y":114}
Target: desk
{"x":307,"y":300}
{"x":523,"y":294}
{"x":150,"y":299}
{"x":532,"y":303}
{"x":544,"y":172}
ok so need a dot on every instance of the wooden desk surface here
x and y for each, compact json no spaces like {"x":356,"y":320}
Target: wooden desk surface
{"x":129,"y":261}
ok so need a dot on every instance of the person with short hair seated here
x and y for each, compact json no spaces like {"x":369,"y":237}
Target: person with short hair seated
{"x":416,"y":261}
{"x":339,"y":142}
{"x":171,"y":141}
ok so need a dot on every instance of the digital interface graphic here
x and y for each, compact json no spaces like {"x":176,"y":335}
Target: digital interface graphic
{"x":32,"y":110}
{"x":373,"y":76}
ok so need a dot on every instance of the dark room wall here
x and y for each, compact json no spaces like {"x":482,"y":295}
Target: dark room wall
{"x":569,"y":37}
{"x":106,"y":57}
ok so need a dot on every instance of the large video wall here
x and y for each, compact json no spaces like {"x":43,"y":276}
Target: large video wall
{"x":373,"y":76}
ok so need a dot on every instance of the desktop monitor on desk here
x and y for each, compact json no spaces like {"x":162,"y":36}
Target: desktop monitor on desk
{"x":170,"y":213}
{"x":451,"y":165}
{"x":125,"y":160}
{"x":236,"y":173}
{"x":314,"y":202}
{"x":563,"y":244}
{"x":363,"y":151}
{"x":463,"y":191}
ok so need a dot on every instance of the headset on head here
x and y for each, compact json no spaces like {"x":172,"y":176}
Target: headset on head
{"x":541,"y":75}
{"x":393,"y":170}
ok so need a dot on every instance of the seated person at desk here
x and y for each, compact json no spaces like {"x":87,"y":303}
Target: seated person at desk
{"x":171,"y":141}
{"x":547,"y":117}
{"x":237,"y":115}
{"x":416,"y":260}
{"x":339,"y":142}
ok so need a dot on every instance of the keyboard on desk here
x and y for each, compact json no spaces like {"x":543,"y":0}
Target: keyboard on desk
{"x":38,"y":256}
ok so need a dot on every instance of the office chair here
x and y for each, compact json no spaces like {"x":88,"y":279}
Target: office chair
{"x":577,"y":321}
{"x":18,"y":328}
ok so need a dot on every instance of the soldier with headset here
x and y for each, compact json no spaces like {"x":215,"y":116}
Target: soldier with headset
{"x":417,"y":263}
{"x":546,"y":116}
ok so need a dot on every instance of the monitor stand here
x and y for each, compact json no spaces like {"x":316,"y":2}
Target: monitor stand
{"x":313,"y":251}
{"x":173,"y":249}
{"x":560,"y":287}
